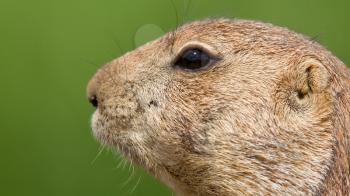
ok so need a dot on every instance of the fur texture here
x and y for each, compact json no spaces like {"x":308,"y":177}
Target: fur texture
{"x":271,"y":117}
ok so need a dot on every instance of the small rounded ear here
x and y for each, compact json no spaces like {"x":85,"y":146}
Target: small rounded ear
{"x":303,"y":87}
{"x":312,"y":77}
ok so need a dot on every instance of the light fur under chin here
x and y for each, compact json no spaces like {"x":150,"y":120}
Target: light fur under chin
{"x":271,"y":117}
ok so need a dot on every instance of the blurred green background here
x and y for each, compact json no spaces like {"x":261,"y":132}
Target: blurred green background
{"x":50,"y":48}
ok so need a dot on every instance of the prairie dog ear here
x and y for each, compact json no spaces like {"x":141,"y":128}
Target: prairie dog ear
{"x":312,"y":77}
{"x":303,"y":87}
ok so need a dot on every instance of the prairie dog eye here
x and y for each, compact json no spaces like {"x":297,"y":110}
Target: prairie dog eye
{"x":193,"y":59}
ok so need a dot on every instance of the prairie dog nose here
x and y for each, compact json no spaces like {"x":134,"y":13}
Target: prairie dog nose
{"x":111,"y":76}
{"x":93,"y":100}
{"x":91,"y":92}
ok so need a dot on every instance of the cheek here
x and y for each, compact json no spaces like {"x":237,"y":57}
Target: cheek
{"x":187,"y":128}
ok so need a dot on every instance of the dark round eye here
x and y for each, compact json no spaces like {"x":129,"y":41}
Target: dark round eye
{"x":193,"y":59}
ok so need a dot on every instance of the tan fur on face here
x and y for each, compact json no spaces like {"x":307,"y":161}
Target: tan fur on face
{"x":271,"y":117}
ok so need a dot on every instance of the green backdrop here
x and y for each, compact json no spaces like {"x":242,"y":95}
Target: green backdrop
{"x":50,"y":48}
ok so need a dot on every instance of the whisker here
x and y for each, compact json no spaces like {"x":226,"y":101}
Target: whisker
{"x":118,"y":160}
{"x":120,"y":163}
{"x":125,"y":163}
{"x":102,"y":147}
{"x":315,"y":38}
{"x":173,"y":34}
{"x":176,"y":12}
{"x":127,"y":180}
{"x":102,"y":69}
{"x":95,"y":65}
{"x":116,"y":43}
{"x":133,"y":169}
{"x":187,"y":8}
{"x":137,"y":183}
{"x":130,"y":165}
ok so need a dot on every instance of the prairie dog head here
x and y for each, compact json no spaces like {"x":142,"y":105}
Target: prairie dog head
{"x":221,"y":107}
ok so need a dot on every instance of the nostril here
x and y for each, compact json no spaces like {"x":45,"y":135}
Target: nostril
{"x":93,"y":101}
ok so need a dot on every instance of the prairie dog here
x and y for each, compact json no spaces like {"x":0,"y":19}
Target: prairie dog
{"x":229,"y":107}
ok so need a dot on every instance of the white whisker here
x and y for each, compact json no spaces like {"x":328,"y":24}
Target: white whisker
{"x":137,"y":183}
{"x":102,"y":147}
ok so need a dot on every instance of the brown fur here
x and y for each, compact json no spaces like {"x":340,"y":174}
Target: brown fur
{"x":272,"y":117}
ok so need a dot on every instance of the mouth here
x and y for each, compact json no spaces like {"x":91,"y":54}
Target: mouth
{"x":125,"y":142}
{"x":97,"y":128}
